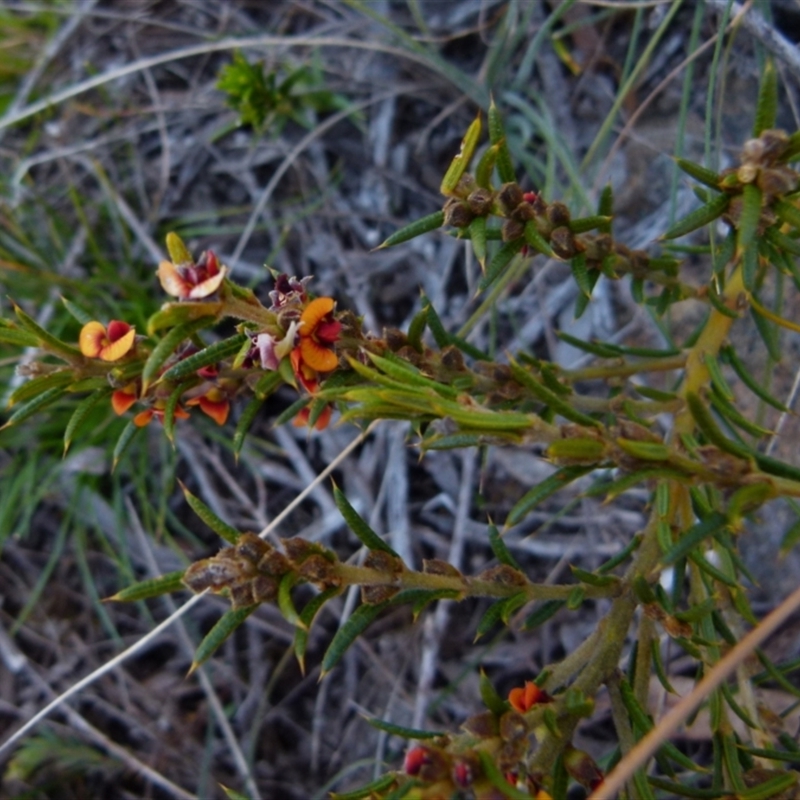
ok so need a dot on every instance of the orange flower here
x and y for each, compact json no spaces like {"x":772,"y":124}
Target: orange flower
{"x":107,"y":344}
{"x":524,"y":699}
{"x":123,"y":399}
{"x":319,"y":330}
{"x":304,"y":416}
{"x":191,"y":281}
{"x":157,"y":410}
{"x":214,"y":403}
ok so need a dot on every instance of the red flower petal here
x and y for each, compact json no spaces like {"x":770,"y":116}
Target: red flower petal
{"x":117,"y":329}
{"x":115,"y":350}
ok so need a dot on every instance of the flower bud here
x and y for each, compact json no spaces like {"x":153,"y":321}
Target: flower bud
{"x":510,"y":196}
{"x":457,"y":214}
{"x":480,"y":202}
{"x":558,"y":214}
{"x":512,"y":229}
{"x":563,"y":243}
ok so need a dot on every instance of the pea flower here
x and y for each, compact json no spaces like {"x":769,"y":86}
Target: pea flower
{"x":525,"y":698}
{"x":123,"y":399}
{"x":192,"y":281}
{"x":107,"y":344}
{"x":214,"y":403}
{"x":157,"y":410}
{"x":303,"y":418}
{"x":318,"y":331}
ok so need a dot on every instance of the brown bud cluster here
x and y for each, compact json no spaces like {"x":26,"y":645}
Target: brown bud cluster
{"x":250,"y":570}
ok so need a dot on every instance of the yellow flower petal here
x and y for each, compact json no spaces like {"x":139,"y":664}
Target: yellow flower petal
{"x":171,"y":281}
{"x":115,"y":350}
{"x":208,"y":286}
{"x":92,"y":339}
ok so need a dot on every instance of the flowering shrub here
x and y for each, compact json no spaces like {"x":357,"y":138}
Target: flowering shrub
{"x":703,"y":475}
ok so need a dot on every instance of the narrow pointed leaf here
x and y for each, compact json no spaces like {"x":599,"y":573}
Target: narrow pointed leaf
{"x":34,"y":406}
{"x":694,"y":536}
{"x":47,"y":340}
{"x":18,"y":337}
{"x":244,"y":422}
{"x":752,"y":200}
{"x":401,"y":730}
{"x":354,"y":521}
{"x":497,"y":136}
{"x":307,"y":616}
{"x":173,"y":314}
{"x":699,"y":173}
{"x":125,"y":438}
{"x":500,"y":550}
{"x":581,"y":274}
{"x":424,"y":225}
{"x":535,"y":239}
{"x":477,"y":235}
{"x":172,"y":406}
{"x":152,"y":587}
{"x":228,"y":533}
{"x":81,"y":413}
{"x":743,"y":372}
{"x":224,"y":627}
{"x":168,"y":345}
{"x":584,"y":224}
{"x":788,"y":212}
{"x":491,"y":699}
{"x":285,"y":602}
{"x":76,"y":312}
{"x":539,"y":493}
{"x":368,"y":790}
{"x":40,"y":384}
{"x":699,"y":217}
{"x":206,"y":357}
{"x":358,"y":622}
{"x":542,"y":393}
{"x":498,"y":779}
{"x":459,"y":164}
{"x":502,"y":258}
{"x":767,"y":105}
{"x":542,"y":613}
{"x":486,"y":165}
{"x":499,"y":612}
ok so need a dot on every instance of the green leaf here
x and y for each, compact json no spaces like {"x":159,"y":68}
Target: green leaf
{"x":243,"y":424}
{"x":477,"y":235}
{"x":729,"y":354}
{"x":592,"y":578}
{"x":694,"y":536}
{"x":232,"y":794}
{"x":424,"y":225}
{"x":542,"y":393}
{"x":705,"y":422}
{"x":497,"y":136}
{"x":368,"y":537}
{"x":752,"y":200}
{"x":782,"y":242}
{"x":584,"y":224}
{"x":549,"y":486}
{"x":581,"y":274}
{"x":499,"y":612}
{"x":285,"y":602}
{"x":400,"y":730}
{"x":369,"y":790}
{"x":542,"y":613}
{"x":76,"y":312}
{"x":486,"y":165}
{"x":307,"y":616}
{"x":788,"y":212}
{"x":173,"y":314}
{"x":206,"y":357}
{"x":535,"y":240}
{"x":699,"y":217}
{"x":228,"y":533}
{"x":18,"y":337}
{"x":358,"y":622}
{"x":33,"y":406}
{"x":152,"y":587}
{"x":46,"y":340}
{"x":502,"y":258}
{"x":644,"y":451}
{"x":699,"y":173}
{"x":623,"y":554}
{"x":223,"y":628}
{"x":168,"y":345}
{"x":500,"y":550}
{"x":459,"y":164}
{"x":491,"y":699}
{"x":81,"y":412}
{"x":767,"y":105}
{"x":40,"y":384}
{"x":498,"y":779}
{"x":768,"y":331}
{"x":125,"y":438}
{"x":171,"y":406}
